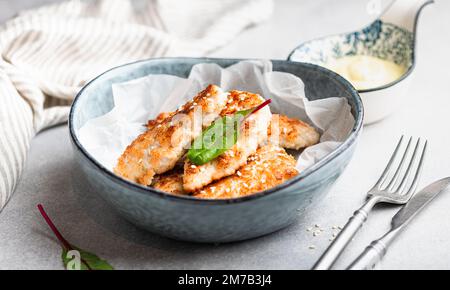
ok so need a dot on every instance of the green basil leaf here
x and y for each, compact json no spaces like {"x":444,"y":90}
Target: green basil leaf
{"x":220,"y":137}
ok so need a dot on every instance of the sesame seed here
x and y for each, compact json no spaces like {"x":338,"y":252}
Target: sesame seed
{"x":193,"y":166}
{"x":239,"y":173}
{"x":317,"y":226}
{"x":312,"y":247}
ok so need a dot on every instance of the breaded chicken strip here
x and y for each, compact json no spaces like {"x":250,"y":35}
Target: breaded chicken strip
{"x":159,"y":120}
{"x":158,"y":150}
{"x":171,"y":182}
{"x":292,"y":133}
{"x":270,"y":166}
{"x":253,"y":133}
{"x":283,"y":131}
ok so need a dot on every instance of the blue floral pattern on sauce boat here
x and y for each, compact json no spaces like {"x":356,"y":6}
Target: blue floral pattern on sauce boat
{"x":380,"y":39}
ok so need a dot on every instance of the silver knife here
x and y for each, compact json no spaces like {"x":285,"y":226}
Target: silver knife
{"x":377,"y":249}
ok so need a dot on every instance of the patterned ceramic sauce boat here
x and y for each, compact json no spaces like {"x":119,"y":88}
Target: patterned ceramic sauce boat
{"x":392,"y":37}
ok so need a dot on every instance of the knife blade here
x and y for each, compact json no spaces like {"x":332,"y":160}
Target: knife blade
{"x":419,"y":201}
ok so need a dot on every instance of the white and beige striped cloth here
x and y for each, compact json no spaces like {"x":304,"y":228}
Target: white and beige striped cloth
{"x":48,"y":54}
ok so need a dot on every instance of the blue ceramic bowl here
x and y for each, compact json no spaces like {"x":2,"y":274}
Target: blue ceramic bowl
{"x":213,"y":221}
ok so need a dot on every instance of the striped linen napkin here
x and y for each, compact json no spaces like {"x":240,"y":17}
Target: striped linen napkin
{"x":48,"y":54}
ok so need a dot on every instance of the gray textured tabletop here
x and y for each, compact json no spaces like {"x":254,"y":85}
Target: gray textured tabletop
{"x":50,"y":177}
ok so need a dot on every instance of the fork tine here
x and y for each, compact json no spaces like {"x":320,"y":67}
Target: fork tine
{"x":394,"y":179}
{"x":413,"y":186}
{"x":408,"y":171}
{"x":388,"y":167}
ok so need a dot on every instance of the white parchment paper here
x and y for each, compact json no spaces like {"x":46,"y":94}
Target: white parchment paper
{"x":138,"y":101}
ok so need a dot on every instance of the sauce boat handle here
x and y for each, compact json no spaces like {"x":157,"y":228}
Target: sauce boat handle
{"x":404,"y":13}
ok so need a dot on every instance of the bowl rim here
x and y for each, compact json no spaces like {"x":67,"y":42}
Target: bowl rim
{"x":413,"y":54}
{"x":351,"y":139}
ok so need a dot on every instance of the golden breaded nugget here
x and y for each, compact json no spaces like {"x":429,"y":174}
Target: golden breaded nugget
{"x":171,"y":182}
{"x":292,"y":133}
{"x":159,"y":149}
{"x":270,"y":166}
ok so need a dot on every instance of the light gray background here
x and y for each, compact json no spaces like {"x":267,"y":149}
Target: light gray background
{"x":25,"y":242}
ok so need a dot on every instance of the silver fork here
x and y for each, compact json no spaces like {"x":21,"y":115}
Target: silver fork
{"x":397,"y":189}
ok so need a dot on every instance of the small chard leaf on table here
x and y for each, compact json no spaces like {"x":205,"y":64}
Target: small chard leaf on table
{"x":73,"y":257}
{"x":220,"y":137}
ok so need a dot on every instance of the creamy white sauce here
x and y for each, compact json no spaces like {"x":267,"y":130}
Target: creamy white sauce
{"x":367,"y":72}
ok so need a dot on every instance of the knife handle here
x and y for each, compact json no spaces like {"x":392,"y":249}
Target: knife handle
{"x":370,"y":257}
{"x":373,"y":254}
{"x":345,"y":236}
